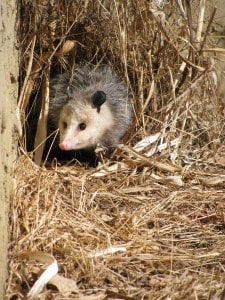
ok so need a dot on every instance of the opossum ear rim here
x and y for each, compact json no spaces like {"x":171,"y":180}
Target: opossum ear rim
{"x":69,"y":91}
{"x":97,"y":99}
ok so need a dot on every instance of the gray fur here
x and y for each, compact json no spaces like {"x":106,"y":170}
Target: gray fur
{"x":86,"y":81}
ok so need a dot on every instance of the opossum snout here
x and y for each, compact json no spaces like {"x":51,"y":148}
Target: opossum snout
{"x":69,"y":141}
{"x":65,"y":145}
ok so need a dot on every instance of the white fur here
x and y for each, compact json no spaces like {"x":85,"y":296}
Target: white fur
{"x":73,"y":138}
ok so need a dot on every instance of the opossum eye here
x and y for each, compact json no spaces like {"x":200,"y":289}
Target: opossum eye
{"x":64,"y":125}
{"x":82,"y":126}
{"x":98,"y":98}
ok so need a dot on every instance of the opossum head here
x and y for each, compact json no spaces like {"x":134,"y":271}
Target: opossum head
{"x":83,"y":121}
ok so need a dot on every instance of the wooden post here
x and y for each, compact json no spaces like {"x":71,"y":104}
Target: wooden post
{"x":8,"y":99}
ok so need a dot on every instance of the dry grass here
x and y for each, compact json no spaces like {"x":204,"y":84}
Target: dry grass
{"x":162,"y":202}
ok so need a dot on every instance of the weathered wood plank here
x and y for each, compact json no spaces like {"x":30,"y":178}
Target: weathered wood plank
{"x":8,"y":98}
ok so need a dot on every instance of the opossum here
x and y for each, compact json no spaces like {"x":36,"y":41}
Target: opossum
{"x":93,"y":110}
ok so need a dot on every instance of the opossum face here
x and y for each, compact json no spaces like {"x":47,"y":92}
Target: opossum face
{"x":82,"y":124}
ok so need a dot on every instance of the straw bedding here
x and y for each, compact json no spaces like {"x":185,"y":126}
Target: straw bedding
{"x":148,"y":222}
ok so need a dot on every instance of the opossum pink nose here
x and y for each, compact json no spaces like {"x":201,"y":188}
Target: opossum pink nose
{"x":64,"y":145}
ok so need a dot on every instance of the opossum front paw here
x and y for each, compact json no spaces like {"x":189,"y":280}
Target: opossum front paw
{"x":100,"y":148}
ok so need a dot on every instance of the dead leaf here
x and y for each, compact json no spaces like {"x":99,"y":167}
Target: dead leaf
{"x":64,"y":285}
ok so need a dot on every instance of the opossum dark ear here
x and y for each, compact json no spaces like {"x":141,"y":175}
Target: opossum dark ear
{"x":98,"y":98}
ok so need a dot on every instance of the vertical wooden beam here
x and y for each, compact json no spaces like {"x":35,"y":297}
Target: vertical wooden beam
{"x":8,"y":99}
